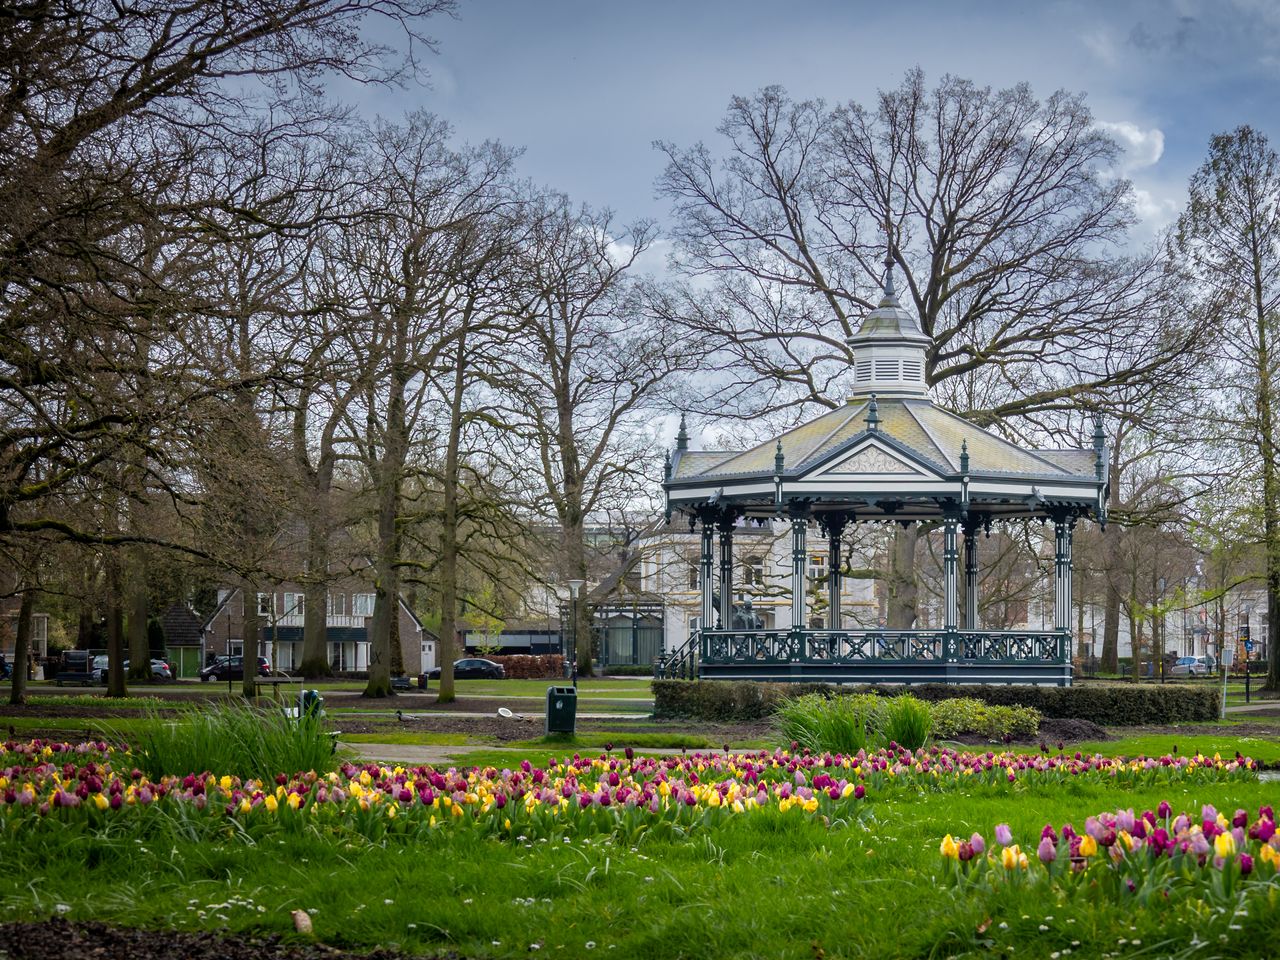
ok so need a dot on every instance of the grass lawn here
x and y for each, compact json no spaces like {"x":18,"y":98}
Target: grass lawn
{"x":762,"y":885}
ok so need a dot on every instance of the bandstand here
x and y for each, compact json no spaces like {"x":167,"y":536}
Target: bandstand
{"x":888,"y":454}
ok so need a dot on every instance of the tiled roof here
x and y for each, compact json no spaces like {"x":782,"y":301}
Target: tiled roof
{"x":933,"y":434}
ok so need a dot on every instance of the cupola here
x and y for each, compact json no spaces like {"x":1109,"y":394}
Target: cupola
{"x":889,"y":350}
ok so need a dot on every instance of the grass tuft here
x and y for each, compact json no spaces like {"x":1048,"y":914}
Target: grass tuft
{"x":237,"y":739}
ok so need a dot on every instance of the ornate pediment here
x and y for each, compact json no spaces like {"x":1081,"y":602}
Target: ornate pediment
{"x":871,"y":460}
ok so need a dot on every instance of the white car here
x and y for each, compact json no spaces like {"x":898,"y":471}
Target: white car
{"x":1191,"y":667}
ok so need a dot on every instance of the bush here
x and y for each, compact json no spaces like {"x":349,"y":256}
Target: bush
{"x":831,"y":724}
{"x":1110,"y":705}
{"x":524,"y":666}
{"x":627,"y":670}
{"x":241,"y":740}
{"x":905,"y":721}
{"x":968,"y":715}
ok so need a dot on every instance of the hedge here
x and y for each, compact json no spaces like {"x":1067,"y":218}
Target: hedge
{"x":1114,"y":705}
{"x":524,"y":666}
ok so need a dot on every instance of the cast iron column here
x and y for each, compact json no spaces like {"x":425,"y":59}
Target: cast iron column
{"x":707,"y":580}
{"x":950,"y":557}
{"x":971,"y":575}
{"x":1062,"y":574}
{"x":799,"y":561}
{"x":834,"y":524}
{"x":726,"y":571}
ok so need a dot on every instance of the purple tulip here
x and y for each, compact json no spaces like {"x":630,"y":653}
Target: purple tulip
{"x":1246,"y":864}
{"x":1004,"y":836}
{"x":978,"y":844}
{"x":1047,"y":851}
{"x":1164,"y":809}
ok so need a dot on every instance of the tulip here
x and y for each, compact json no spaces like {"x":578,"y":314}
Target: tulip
{"x":1224,"y":845}
{"x":1004,"y":836}
{"x":1047,"y":851}
{"x":1246,"y":864}
{"x":1088,"y":846}
{"x":978,"y":844}
{"x":948,"y":848}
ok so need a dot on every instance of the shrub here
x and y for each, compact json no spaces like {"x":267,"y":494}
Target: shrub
{"x":524,"y":666}
{"x":237,"y":739}
{"x":968,"y":715}
{"x":905,"y":721}
{"x":827,"y":724}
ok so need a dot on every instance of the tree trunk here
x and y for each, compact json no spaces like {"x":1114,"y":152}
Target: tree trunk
{"x":116,"y":686}
{"x":1111,"y":560}
{"x":22,"y":649}
{"x":1135,"y":642}
{"x":449,"y":527}
{"x":1270,"y":500}
{"x":901,"y":586}
{"x":136,"y":593}
{"x":252,"y":637}
{"x":315,"y":658}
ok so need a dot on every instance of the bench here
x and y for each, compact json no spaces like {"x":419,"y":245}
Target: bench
{"x":74,"y":676}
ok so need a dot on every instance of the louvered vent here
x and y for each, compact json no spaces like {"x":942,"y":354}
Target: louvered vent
{"x":912,"y":370}
{"x":887,"y":369}
{"x":862,"y":371}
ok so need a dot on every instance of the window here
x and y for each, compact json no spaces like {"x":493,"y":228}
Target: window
{"x":753,"y":571}
{"x":337,"y":604}
{"x":362,"y":604}
{"x":817,"y":567}
{"x":693,"y":577}
{"x":294,"y":604}
{"x":264,"y":604}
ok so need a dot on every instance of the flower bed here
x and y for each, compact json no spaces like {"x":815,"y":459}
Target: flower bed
{"x":608,"y":793}
{"x":1148,"y":857}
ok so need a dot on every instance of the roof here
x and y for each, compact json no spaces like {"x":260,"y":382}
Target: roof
{"x":181,"y":626}
{"x":933,"y":435}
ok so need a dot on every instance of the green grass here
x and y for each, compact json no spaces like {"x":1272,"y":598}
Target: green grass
{"x":411,"y":739}
{"x":766,"y":885}
{"x":1263,"y":749}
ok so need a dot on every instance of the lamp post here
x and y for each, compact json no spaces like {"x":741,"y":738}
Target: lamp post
{"x":574,"y":587}
{"x":1248,"y":647}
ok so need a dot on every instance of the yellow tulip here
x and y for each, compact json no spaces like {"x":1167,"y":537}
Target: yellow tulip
{"x":294,"y":801}
{"x":811,"y":805}
{"x":949,"y":848}
{"x":1088,"y":846}
{"x":1224,"y":845}
{"x":225,"y":783}
{"x":1011,"y":857}
{"x":1269,"y":854}
{"x":100,"y":801}
{"x":270,"y":803}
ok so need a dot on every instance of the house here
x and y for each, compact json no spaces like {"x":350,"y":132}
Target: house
{"x":183,"y":639}
{"x":348,"y":620}
{"x":9,"y":607}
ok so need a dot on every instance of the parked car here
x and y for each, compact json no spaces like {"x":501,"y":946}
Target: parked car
{"x":468,"y":668}
{"x":232,"y":668}
{"x":1191,"y":667}
{"x":160,"y":669}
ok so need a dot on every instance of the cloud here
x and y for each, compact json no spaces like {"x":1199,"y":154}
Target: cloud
{"x":1142,"y":148}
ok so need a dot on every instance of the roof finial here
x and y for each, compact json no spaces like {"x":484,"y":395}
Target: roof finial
{"x":667,"y":465}
{"x":888,"y":260}
{"x":1099,"y":441}
{"x":682,"y":438}
{"x":964,"y":456}
{"x":778,"y":459}
{"x":873,"y":414}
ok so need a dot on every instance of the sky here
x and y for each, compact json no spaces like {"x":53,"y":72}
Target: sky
{"x":585,"y":88}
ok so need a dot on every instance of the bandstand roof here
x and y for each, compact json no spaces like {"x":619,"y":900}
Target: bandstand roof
{"x":890,"y":452}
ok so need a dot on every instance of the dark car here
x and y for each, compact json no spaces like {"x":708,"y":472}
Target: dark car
{"x":468,"y":668}
{"x":232,"y":668}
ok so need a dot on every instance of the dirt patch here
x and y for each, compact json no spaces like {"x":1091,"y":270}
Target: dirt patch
{"x":56,"y":939}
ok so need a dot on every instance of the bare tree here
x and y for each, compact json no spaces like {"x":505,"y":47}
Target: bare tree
{"x":1228,"y":241}
{"x":590,"y":371}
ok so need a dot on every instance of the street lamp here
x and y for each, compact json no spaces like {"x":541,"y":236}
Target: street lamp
{"x":574,"y":587}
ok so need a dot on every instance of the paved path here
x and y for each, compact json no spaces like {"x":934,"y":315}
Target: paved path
{"x":1258,"y":706}
{"x":413,"y":755}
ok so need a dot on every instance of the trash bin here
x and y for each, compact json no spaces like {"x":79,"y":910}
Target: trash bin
{"x":562,"y":709}
{"x":310,"y":704}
